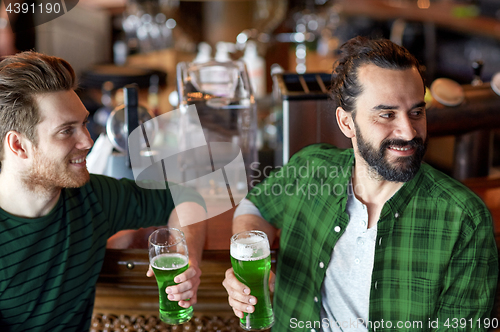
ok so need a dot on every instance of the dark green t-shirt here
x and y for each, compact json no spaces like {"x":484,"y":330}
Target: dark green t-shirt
{"x":49,"y":265}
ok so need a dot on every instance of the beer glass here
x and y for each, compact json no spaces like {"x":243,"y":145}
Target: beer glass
{"x":168,"y":256}
{"x":251,"y":261}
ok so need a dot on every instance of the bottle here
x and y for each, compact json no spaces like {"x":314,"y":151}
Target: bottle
{"x":256,"y":67}
{"x":153,"y":99}
{"x":204,"y":53}
{"x":120,"y":53}
{"x":101,"y":115}
{"x":223,"y":50}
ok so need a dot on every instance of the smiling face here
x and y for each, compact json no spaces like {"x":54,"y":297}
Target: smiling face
{"x":58,"y":160}
{"x":390,"y":128}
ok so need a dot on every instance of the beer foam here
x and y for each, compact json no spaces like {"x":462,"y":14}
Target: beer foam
{"x":183,"y":258}
{"x":250,"y":249}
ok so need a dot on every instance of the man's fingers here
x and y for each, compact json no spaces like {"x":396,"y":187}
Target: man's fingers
{"x":239,"y":297}
{"x":181,"y":296}
{"x":235,"y":284}
{"x":238,"y":313}
{"x":186,"y":289}
{"x":188,"y":303}
{"x":180,"y":288}
{"x":150,"y":272}
{"x":272,"y":281}
{"x":240,"y":306}
{"x":242,"y":298}
{"x":188,"y":274}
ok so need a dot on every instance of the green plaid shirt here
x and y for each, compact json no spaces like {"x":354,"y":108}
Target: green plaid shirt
{"x":435,"y":256}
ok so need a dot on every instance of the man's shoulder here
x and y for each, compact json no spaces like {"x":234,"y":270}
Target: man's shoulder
{"x":103,"y":179}
{"x":103,"y":185}
{"x":96,"y":180}
{"x":324,"y":152}
{"x":444,"y":188}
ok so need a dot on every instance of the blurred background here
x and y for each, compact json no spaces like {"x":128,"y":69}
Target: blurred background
{"x":289,"y":48}
{"x":123,"y":41}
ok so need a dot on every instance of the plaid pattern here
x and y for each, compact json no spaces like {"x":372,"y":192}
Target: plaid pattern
{"x":435,"y":255}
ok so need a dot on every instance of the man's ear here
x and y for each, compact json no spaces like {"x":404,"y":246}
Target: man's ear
{"x":346,"y":122}
{"x":16,"y":144}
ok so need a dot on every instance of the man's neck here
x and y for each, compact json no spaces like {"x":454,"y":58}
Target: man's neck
{"x":372,"y":190}
{"x":18,"y":200}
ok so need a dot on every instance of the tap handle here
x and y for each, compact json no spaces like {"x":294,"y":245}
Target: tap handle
{"x":477,"y":67}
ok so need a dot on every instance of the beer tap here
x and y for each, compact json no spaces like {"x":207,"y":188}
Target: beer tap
{"x":477,"y":67}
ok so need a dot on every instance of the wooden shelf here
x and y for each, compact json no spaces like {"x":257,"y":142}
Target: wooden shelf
{"x":440,"y":13}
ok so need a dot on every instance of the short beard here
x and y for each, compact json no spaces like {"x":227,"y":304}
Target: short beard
{"x":408,"y":166}
{"x":45,"y":176}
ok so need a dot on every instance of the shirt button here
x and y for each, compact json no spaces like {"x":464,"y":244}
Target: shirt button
{"x":337,"y":229}
{"x":321,"y":265}
{"x":376,"y":283}
{"x":315,"y":299}
{"x":363,"y":223}
{"x":313,"y":330}
{"x":396,"y":215}
{"x":380,"y":242}
{"x":356,"y":260}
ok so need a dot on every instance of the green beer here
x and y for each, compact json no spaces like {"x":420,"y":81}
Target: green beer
{"x":166,"y":267}
{"x":251,"y":261}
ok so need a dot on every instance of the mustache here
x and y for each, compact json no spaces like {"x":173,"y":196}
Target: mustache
{"x":416,"y":142}
{"x":86,"y":152}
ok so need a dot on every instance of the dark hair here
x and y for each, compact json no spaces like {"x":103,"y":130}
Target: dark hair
{"x":361,"y":51}
{"x":22,"y":77}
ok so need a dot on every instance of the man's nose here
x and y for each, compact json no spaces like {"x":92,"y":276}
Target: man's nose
{"x":405,"y":129}
{"x":85,"y":142}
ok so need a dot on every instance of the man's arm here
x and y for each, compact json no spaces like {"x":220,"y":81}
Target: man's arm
{"x":470,"y":283}
{"x":239,"y":294}
{"x":248,"y":222}
{"x":188,"y":281}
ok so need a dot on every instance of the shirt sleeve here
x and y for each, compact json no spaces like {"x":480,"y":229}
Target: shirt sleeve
{"x":469,"y":285}
{"x":271,"y":195}
{"x":289,"y":186}
{"x":128,"y":206}
{"x":246,"y":207}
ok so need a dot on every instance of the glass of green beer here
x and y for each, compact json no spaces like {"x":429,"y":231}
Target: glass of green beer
{"x":251,"y":261}
{"x":168,"y":256}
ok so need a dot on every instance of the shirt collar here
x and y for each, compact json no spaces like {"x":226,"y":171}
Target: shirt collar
{"x":400,"y":200}
{"x":348,"y":154}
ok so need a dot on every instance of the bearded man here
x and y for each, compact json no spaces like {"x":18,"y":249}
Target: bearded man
{"x":402,"y":246}
{"x":55,"y":217}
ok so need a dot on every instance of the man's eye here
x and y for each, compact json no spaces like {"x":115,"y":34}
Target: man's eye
{"x":67,"y":131}
{"x":386,"y":115}
{"x":417,"y":113}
